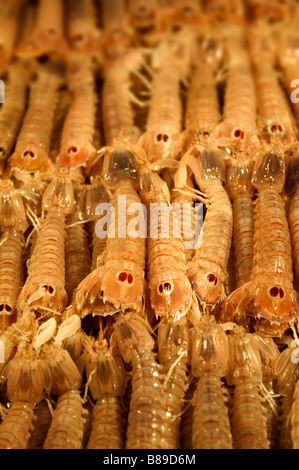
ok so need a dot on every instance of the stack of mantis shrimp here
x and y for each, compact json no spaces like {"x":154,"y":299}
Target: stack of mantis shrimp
{"x":176,"y":339}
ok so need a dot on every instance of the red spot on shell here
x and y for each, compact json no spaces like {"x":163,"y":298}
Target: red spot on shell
{"x":122,"y":277}
{"x":212,"y":278}
{"x":274,"y":291}
{"x":239,"y":133}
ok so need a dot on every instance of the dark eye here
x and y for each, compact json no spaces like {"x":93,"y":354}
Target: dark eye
{"x":29,"y":154}
{"x":166,"y":287}
{"x":212,"y":278}
{"x":72,"y":150}
{"x":50,"y":289}
{"x":162,"y":137}
{"x":239,"y":133}
{"x":276,"y":127}
{"x":274,"y":291}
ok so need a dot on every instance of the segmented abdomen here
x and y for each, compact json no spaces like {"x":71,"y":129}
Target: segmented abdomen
{"x":243,"y":231}
{"x":82,"y":25}
{"x":187,"y":416}
{"x":49,"y":32}
{"x":165,"y":255}
{"x":294,"y":418}
{"x":229,"y":281}
{"x":213,"y":253}
{"x":272,"y":245}
{"x":35,"y":134}
{"x":107,"y":425}
{"x":41,"y":425}
{"x":49,"y":249}
{"x":185,"y":212}
{"x":248,"y":421}
{"x":285,"y":439}
{"x":125,"y":252}
{"x":211,"y":427}
{"x":117,"y":111}
{"x":13,"y":108}
{"x":271,"y":412}
{"x":66,"y":430}
{"x":47,"y":262}
{"x":146,"y":422}
{"x":240,"y":103}
{"x":202,"y":113}
{"x":293,"y":219}
{"x":9,"y":22}
{"x":77,"y":257}
{"x":165,"y":104}
{"x":98,"y":247}
{"x":173,"y":341}
{"x":11,"y":274}
{"x":16,"y":426}
{"x":79,"y":126}
{"x":273,"y":106}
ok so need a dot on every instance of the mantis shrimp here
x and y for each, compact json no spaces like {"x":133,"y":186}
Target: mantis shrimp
{"x":27,"y":375}
{"x":292,"y":185}
{"x":170,"y":290}
{"x":33,"y":143}
{"x":13,"y":223}
{"x":78,"y":130}
{"x":287,"y":386}
{"x":237,"y":131}
{"x":248,"y":416}
{"x":173,"y":342}
{"x":286,"y":42}
{"x":269,"y":353}
{"x":9,"y":22}
{"x":77,"y":256}
{"x":13,"y":108}
{"x":82,"y":28}
{"x":207,"y":268}
{"x":276,"y":122}
{"x":66,"y":429}
{"x":116,"y":37}
{"x":106,"y":380}
{"x":48,"y":36}
{"x":209,"y":362}
{"x":45,"y":284}
{"x":119,"y":280}
{"x":147,"y":427}
{"x":146,"y":18}
{"x":164,"y":121}
{"x":268,"y":297}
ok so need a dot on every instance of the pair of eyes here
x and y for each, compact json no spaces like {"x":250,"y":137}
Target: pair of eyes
{"x":29,"y":153}
{"x":238,"y":133}
{"x":275,"y":128}
{"x":276,"y":291}
{"x":167,"y":286}
{"x":5,"y":307}
{"x":162,"y":137}
{"x":49,"y":289}
{"x":123,"y":277}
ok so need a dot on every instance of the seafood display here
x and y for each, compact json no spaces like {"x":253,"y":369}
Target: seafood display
{"x":149,"y":214}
